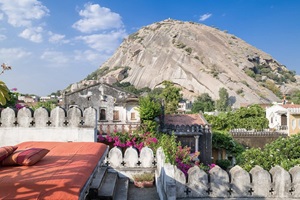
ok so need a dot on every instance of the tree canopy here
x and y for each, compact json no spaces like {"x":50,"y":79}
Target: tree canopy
{"x":223,"y":103}
{"x":252,"y":117}
{"x":171,"y":96}
{"x":203,"y":103}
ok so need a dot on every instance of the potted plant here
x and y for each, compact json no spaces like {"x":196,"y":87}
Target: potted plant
{"x":143,"y":180}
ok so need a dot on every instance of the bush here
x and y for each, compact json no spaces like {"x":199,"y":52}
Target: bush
{"x":224,"y":163}
{"x":284,"y":152}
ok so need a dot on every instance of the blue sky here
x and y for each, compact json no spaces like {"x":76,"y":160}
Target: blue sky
{"x":53,"y":43}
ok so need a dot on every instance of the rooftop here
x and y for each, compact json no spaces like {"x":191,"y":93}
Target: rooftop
{"x":185,"y":119}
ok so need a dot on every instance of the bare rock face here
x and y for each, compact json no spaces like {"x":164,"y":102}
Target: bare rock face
{"x":197,"y":58}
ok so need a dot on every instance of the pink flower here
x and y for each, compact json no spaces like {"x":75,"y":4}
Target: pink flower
{"x":13,"y":89}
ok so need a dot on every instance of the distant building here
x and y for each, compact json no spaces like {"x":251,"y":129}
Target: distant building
{"x":117,"y":109}
{"x":27,"y":99}
{"x":284,"y":118}
{"x":184,"y":106}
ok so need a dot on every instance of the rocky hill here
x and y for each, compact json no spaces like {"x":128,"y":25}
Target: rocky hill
{"x":199,"y":59}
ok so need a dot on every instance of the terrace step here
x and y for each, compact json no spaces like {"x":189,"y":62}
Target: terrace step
{"x":93,"y":193}
{"x":108,"y":185}
{"x":122,"y":189}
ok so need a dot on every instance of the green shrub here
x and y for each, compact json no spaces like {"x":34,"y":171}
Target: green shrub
{"x":240,"y":91}
{"x":189,"y":50}
{"x":224,"y":163}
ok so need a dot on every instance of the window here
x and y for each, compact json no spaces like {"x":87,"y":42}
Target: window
{"x":116,"y":115}
{"x":102,"y":114}
{"x":293,"y":124}
{"x":272,"y":120}
{"x":132,"y":116}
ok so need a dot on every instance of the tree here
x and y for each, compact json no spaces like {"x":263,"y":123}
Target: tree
{"x":149,"y":109}
{"x":203,"y":103}
{"x":252,"y":117}
{"x":171,"y":96}
{"x":223,"y":103}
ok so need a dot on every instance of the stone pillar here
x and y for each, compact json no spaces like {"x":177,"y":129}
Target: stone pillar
{"x":196,"y":143}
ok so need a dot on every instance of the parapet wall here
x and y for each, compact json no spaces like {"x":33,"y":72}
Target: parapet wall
{"x":43,"y":125}
{"x":256,"y":139}
{"x":130,"y":161}
{"x":235,"y":184}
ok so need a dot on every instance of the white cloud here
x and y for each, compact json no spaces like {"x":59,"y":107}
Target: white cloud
{"x":2,"y":37}
{"x":22,"y":12}
{"x":57,"y":38}
{"x":97,"y":18}
{"x":205,"y":16}
{"x":106,"y":42}
{"x":33,"y":34}
{"x":90,"y":56}
{"x":10,"y":54}
{"x":55,"y":57}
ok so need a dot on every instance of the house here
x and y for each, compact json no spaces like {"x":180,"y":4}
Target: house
{"x":192,"y":130}
{"x":284,"y":118}
{"x":184,"y":106}
{"x":117,"y":109}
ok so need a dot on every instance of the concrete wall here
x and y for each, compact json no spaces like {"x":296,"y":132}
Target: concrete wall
{"x":218,"y":184}
{"x":43,"y":125}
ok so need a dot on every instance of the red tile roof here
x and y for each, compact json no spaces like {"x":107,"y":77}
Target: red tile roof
{"x":185,"y":119}
{"x":291,"y":105}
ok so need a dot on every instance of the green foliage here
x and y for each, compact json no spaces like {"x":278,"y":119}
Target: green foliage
{"x":295,"y":97}
{"x":128,"y":87}
{"x":250,"y":73}
{"x":180,"y":45}
{"x":4,"y":93}
{"x":273,"y":87}
{"x":245,"y":83}
{"x":49,"y":105}
{"x":12,"y":99}
{"x":143,"y":177}
{"x":223,"y":140}
{"x":203,"y":103}
{"x":240,"y":91}
{"x":278,"y":76}
{"x":170,"y":146}
{"x":284,"y":152}
{"x":223,"y":103}
{"x":105,"y":70}
{"x":149,"y":108}
{"x":171,"y":96}
{"x":149,"y":126}
{"x":189,"y":50}
{"x":224,"y":163}
{"x":99,"y":72}
{"x":252,"y":117}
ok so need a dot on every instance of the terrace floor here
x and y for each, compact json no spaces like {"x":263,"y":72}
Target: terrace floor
{"x":135,"y":193}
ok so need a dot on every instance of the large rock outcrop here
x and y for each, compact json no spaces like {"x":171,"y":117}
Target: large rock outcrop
{"x":196,"y":57}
